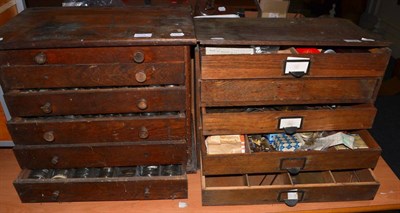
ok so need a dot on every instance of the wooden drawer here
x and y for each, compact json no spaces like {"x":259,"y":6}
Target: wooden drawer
{"x":97,"y":129}
{"x":263,"y":120}
{"x":371,"y":63}
{"x":91,"y":75}
{"x":100,"y":55}
{"x":101,"y":154}
{"x":320,"y":186}
{"x":287,"y":91}
{"x":96,"y":101}
{"x":276,"y":161}
{"x":122,"y":184}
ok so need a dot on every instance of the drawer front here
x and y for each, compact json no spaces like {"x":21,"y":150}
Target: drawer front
{"x":346,"y":118}
{"x":96,"y":101}
{"x":276,"y":161}
{"x":287,"y":91}
{"x":231,"y":190}
{"x":97,"y":130}
{"x":95,"y":75}
{"x":100,"y":155}
{"x":101,"y":55}
{"x":272,"y":65}
{"x":101,"y":189}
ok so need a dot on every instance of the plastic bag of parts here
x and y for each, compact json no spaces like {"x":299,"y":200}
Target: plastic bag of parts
{"x":93,"y":3}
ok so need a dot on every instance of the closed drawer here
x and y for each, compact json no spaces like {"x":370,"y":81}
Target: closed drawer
{"x":287,"y":91}
{"x":101,"y":154}
{"x":95,"y":101}
{"x":101,"y":55}
{"x":294,"y":161}
{"x":97,"y":129}
{"x":371,"y":63}
{"x":271,"y":119}
{"x":91,"y":75}
{"x":115,"y":183}
{"x":321,"y":186}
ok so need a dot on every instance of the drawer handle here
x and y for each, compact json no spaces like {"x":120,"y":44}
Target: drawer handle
{"x":54,"y":160}
{"x":55,"y":195}
{"x":41,"y":58}
{"x":138,"y":57}
{"x":146,"y":191}
{"x":49,"y":136}
{"x":291,"y":198}
{"x":143,"y":133}
{"x":290,"y":130}
{"x":46,"y":108}
{"x":293,"y":165}
{"x":142,"y":104}
{"x":140,"y":76}
{"x":297,"y":74}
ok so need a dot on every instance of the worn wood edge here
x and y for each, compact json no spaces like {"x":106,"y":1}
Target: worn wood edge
{"x":7,"y":5}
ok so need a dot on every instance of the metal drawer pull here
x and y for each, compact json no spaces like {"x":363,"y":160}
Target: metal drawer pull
{"x":140,"y":76}
{"x":291,"y":198}
{"x":54,"y":160}
{"x":290,"y":130}
{"x":142,"y":104}
{"x":55,"y":195}
{"x":297,"y":74}
{"x":46,"y":108}
{"x":143,"y":133}
{"x":138,"y":57}
{"x":146,"y":191}
{"x":49,"y":136}
{"x":293,"y":165}
{"x":41,"y":58}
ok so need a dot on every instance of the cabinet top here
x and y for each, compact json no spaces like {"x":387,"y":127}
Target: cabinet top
{"x":279,"y":31}
{"x":92,"y":27}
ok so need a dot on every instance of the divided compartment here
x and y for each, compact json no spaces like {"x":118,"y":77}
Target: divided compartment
{"x":261,"y":188}
{"x":293,"y":161}
{"x":102,"y":183}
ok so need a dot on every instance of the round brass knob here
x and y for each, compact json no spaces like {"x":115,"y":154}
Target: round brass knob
{"x":143,"y":133}
{"x":41,"y":58}
{"x":138,"y":57}
{"x":142,"y":104}
{"x":140,"y":76}
{"x":49,"y":136}
{"x":46,"y":108}
{"x":54,"y":160}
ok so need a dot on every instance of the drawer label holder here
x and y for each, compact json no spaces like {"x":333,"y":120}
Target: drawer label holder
{"x":290,"y":124}
{"x":296,"y":66}
{"x":293,"y":165}
{"x":291,"y":197}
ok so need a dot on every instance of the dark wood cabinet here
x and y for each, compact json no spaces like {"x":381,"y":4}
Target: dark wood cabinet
{"x":247,"y":85}
{"x":100,"y":88}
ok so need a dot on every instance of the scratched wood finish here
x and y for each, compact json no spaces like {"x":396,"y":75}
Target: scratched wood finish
{"x":102,"y":189}
{"x":101,"y":154}
{"x":276,"y":161}
{"x":312,"y":120}
{"x":99,"y":101}
{"x":272,"y":65}
{"x":95,"y":75}
{"x":91,"y":27}
{"x":286,"y":32}
{"x":286,"y":91}
{"x":97,"y":130}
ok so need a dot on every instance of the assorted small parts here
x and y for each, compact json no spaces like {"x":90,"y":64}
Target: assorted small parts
{"x":107,"y":172}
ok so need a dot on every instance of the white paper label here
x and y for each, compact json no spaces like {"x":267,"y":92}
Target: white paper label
{"x":296,"y":64}
{"x":290,"y":122}
{"x":177,"y":34}
{"x":143,"y":35}
{"x":229,"y":51}
{"x":292,"y":196}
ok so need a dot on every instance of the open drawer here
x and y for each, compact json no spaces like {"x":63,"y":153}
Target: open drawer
{"x":292,"y":161}
{"x":106,"y":183}
{"x":320,"y":186}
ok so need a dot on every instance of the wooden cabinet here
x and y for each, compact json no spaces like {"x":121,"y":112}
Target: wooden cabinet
{"x":100,"y":89}
{"x":252,"y":78}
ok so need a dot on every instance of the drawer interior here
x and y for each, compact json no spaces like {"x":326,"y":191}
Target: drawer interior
{"x":286,"y":179}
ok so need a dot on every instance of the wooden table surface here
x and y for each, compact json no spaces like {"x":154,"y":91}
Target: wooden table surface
{"x":388,"y":197}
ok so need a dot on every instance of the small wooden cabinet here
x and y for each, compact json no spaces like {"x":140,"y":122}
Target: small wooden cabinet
{"x":103,"y":90}
{"x":244,"y":88}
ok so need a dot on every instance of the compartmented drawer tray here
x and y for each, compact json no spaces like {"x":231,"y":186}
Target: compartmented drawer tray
{"x":318,"y":186}
{"x":278,"y":161}
{"x":118,"y":183}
